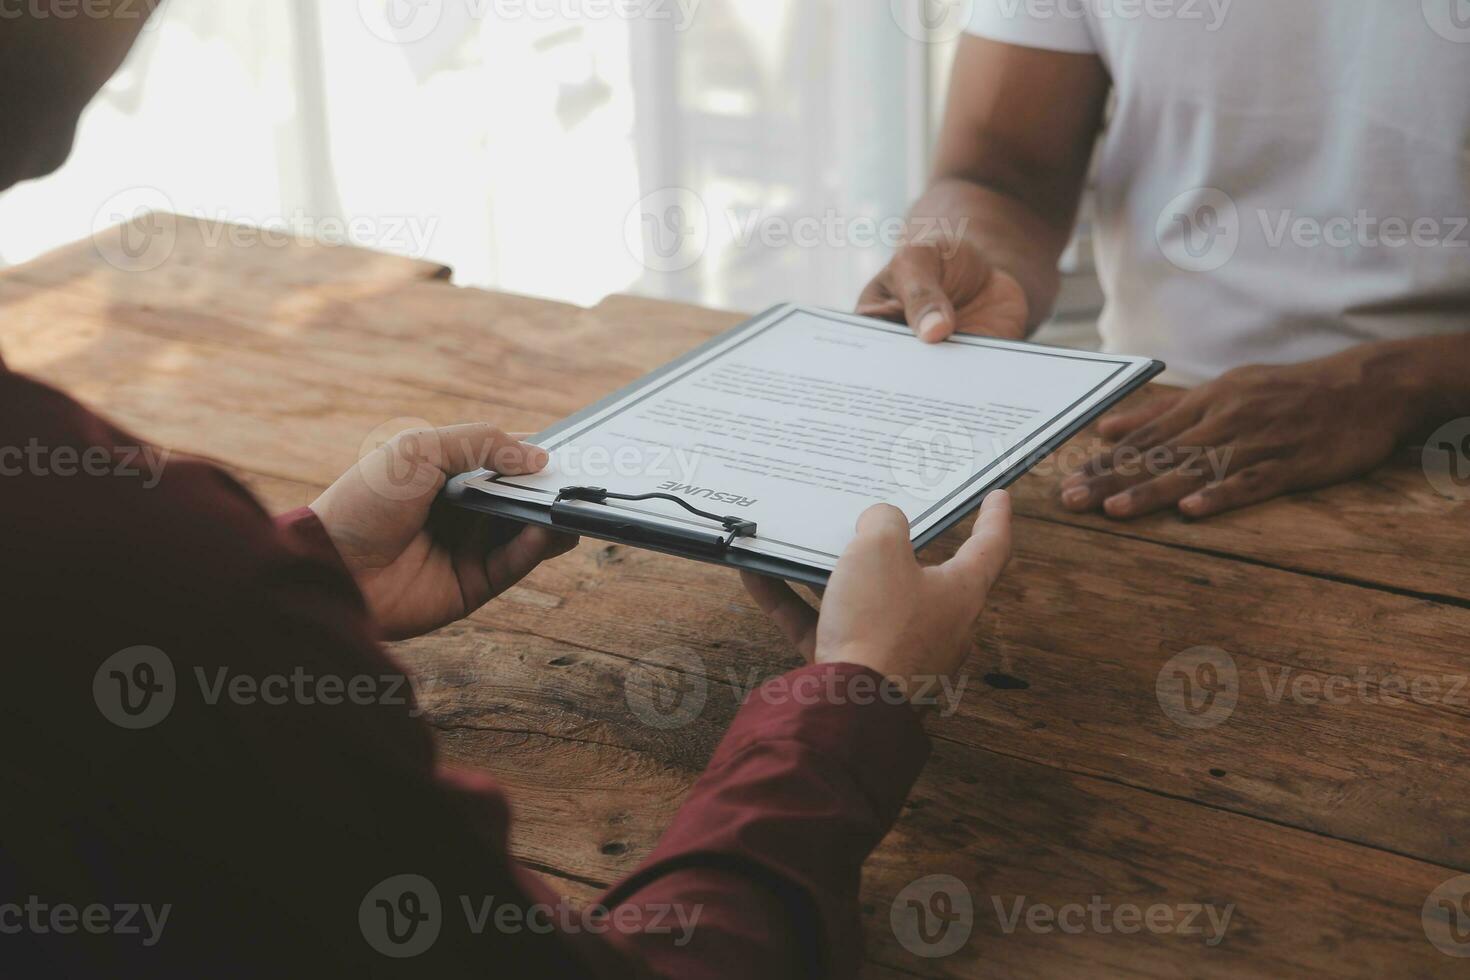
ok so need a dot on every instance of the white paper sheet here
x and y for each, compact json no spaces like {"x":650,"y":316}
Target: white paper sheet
{"x":805,"y":418}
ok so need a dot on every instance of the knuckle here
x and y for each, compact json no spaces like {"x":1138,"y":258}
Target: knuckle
{"x":412,"y":443}
{"x":920,"y":288}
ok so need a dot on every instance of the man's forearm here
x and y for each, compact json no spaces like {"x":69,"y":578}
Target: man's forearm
{"x":1010,"y":234}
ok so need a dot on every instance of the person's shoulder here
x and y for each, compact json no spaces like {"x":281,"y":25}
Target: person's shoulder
{"x":93,"y":502}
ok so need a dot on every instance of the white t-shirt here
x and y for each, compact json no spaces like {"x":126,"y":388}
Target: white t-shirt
{"x":1281,"y":180}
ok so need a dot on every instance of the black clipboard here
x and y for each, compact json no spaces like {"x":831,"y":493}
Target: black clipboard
{"x":577,"y":509}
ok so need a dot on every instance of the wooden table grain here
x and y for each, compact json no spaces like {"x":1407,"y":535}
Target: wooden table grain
{"x":1312,"y":789}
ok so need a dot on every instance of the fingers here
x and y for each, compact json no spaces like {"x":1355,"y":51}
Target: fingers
{"x":1157,"y":431}
{"x":507,"y":565}
{"x":1152,"y":450}
{"x":1249,"y":486}
{"x":481,"y":445}
{"x":890,"y":309}
{"x":917,"y":282}
{"x":940,"y":289}
{"x":1204,"y":473}
{"x":877,"y":301}
{"x":790,"y":613}
{"x":977,"y":566}
{"x":1186,"y":463}
{"x":561,"y":544}
{"x":1116,"y":425}
{"x":1156,"y":494}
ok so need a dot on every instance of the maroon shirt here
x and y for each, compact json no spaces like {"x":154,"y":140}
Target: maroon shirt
{"x":274,"y":838}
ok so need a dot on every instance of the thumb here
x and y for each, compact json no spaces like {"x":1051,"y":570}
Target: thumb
{"x":463,"y":448}
{"x":918,"y":285}
{"x":883,"y":532}
{"x":977,"y":565}
{"x":414,"y":465}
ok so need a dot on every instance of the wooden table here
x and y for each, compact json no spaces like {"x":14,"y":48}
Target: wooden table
{"x":1325,"y":822}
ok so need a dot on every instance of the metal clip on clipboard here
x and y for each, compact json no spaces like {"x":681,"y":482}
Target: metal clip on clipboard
{"x":627,"y":527}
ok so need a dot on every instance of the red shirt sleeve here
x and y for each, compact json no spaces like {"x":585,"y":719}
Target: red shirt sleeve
{"x":288,"y":807}
{"x":806,"y":783}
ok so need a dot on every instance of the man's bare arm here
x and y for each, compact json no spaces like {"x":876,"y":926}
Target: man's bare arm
{"x":1011,"y":166}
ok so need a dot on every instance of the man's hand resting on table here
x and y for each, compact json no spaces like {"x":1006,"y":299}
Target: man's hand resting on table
{"x":882,"y":610}
{"x":1253,"y":434}
{"x":420,"y":575}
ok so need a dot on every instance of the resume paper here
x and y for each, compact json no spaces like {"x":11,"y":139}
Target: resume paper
{"x":804,"y":418}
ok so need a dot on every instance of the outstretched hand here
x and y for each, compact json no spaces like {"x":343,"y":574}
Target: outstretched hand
{"x":940,"y":288}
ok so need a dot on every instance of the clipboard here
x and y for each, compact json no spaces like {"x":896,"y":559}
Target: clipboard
{"x":709,"y":535}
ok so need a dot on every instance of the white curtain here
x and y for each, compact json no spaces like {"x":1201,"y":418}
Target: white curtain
{"x":731,"y":152}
